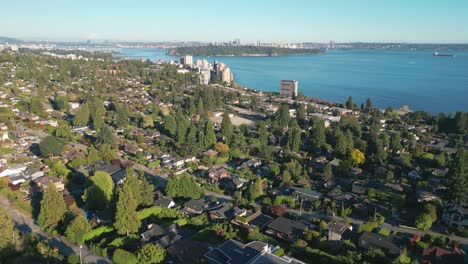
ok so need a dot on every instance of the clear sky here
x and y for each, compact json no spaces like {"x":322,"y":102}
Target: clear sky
{"x":435,"y":21}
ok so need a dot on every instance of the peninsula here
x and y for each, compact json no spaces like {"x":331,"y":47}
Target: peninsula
{"x":221,"y":50}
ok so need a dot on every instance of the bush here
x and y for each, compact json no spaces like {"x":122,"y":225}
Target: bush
{"x":124,"y":257}
{"x":73,"y":259}
{"x":159,"y":212}
{"x":368,"y":226}
{"x":96,"y":249}
{"x":97,"y":232}
{"x":384,"y":232}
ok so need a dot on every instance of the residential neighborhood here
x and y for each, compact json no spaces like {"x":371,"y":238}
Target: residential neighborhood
{"x":133,"y":161}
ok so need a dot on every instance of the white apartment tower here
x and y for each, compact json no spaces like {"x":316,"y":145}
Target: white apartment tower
{"x":288,"y":88}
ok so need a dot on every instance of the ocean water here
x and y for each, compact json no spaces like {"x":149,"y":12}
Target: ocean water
{"x":388,"y":77}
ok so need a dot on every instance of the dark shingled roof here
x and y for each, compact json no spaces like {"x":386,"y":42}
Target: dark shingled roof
{"x":287,"y":226}
{"x":386,"y":243}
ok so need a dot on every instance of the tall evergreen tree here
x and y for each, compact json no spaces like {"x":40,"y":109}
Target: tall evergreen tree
{"x":126,"y":217}
{"x":395,"y":142}
{"x":301,"y":114}
{"x":210,"y":137}
{"x":317,"y":134}
{"x":369,"y":105}
{"x":170,"y":125}
{"x":282,"y":115}
{"x":227,"y":129}
{"x":457,"y":177}
{"x":81,"y":117}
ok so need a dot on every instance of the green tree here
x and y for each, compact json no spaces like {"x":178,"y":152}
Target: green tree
{"x":282,"y":115}
{"x":255,"y":190}
{"x":141,"y":189}
{"x":317,"y":134}
{"x":210,"y":137}
{"x":77,"y":229}
{"x":227,"y":129}
{"x":150,"y":254}
{"x":64,"y":133}
{"x":349,"y":103}
{"x":105,"y":136}
{"x":50,"y":146}
{"x":301,"y":114}
{"x":395,"y":142}
{"x":184,"y":186}
{"x":7,"y":229}
{"x":457,"y":177}
{"x":60,"y":102}
{"x":99,"y":194}
{"x":35,"y":105}
{"x":126,"y":217}
{"x":340,"y":145}
{"x":97,"y":111}
{"x":122,"y":114}
{"x":107,"y":153}
{"x":148,"y":121}
{"x":294,"y":138}
{"x":81,"y":117}
{"x":52,"y":208}
{"x":124,"y":257}
{"x":327,"y":173}
{"x":423,"y":222}
{"x":93,"y":155}
{"x":170,"y":125}
{"x":369,"y":105}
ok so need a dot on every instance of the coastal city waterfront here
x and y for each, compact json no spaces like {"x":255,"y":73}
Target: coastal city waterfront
{"x":389,"y":77}
{"x":234,"y":132}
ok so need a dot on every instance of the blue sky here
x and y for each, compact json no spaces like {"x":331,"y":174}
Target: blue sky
{"x":420,"y":21}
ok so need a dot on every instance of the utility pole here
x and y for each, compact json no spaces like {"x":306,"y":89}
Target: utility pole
{"x":300,"y":210}
{"x":81,"y":259}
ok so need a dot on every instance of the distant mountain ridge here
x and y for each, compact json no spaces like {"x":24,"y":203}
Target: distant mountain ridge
{"x":215,"y":50}
{"x":9,"y":40}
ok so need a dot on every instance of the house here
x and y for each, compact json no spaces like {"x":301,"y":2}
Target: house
{"x":455,"y":215}
{"x":33,"y":173}
{"x":163,"y":237}
{"x":235,"y":182}
{"x":225,"y":212}
{"x":286,"y":229}
{"x":187,"y":251}
{"x":387,"y":243}
{"x":360,"y":187}
{"x":426,"y":196}
{"x":306,"y":195}
{"x":165,"y":201}
{"x":255,"y":252}
{"x":194,"y":207}
{"x":42,"y":183}
{"x":13,"y":170}
{"x":437,"y":255}
{"x":338,"y":230}
{"x":15,"y":180}
{"x":218,"y":172}
{"x":249,"y":222}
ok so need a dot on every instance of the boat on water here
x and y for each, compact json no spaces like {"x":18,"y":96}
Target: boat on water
{"x":437,"y":54}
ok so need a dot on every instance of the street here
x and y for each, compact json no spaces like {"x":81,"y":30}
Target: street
{"x":26,"y":225}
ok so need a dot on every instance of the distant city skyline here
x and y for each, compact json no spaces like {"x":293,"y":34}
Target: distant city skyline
{"x":415,"y":21}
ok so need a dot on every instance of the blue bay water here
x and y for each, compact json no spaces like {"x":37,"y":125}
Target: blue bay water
{"x":413,"y":78}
